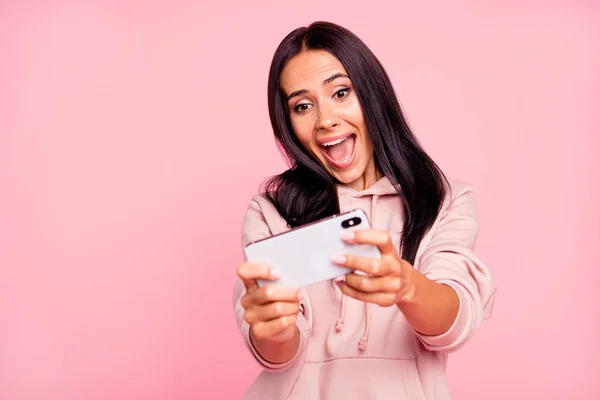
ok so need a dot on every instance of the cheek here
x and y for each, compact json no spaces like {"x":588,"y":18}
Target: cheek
{"x":303,"y":132}
{"x":353,"y":113}
{"x":360,"y":121}
{"x":355,"y":117}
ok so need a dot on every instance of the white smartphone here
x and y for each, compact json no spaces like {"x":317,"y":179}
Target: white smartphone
{"x":302,"y":255}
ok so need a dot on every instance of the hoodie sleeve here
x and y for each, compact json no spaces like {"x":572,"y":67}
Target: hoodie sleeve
{"x":449,"y":258}
{"x":255,"y":227}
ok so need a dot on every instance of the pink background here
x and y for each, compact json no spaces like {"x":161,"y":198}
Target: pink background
{"x":132,"y":137}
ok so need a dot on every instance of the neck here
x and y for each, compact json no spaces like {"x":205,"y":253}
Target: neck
{"x":371,"y":175}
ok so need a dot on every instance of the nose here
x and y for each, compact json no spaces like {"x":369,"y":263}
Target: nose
{"x":327,"y":118}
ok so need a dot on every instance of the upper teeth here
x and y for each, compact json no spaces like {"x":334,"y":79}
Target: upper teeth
{"x":335,"y":141}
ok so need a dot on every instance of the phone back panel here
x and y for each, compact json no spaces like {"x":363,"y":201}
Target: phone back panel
{"x":302,"y":255}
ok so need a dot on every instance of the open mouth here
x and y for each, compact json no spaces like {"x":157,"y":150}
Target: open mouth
{"x":340,"y":150}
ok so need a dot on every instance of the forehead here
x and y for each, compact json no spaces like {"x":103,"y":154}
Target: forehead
{"x":309,"y":69}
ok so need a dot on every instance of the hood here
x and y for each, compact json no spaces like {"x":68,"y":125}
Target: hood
{"x":380,"y":188}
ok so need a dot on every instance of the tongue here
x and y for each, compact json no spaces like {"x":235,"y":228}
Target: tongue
{"x":341,"y":151}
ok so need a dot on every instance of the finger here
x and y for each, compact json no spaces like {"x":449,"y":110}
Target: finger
{"x":370,"y":266}
{"x":368,"y":284}
{"x":268,"y":329}
{"x":250,"y":272}
{"x":285,"y":335}
{"x":376,"y":237}
{"x":271,"y":311}
{"x":270,"y":293}
{"x":382,"y":299}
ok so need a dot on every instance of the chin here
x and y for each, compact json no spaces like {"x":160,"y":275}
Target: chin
{"x":349,"y":177}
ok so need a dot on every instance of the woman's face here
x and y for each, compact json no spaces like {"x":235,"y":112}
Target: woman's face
{"x":327,"y":118}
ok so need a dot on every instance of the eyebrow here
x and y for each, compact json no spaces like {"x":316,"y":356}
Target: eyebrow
{"x":325,"y":82}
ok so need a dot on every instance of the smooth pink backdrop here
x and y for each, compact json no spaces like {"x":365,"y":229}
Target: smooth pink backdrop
{"x":132,"y":135}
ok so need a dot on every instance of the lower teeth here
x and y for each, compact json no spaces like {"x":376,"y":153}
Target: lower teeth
{"x":344,"y":159}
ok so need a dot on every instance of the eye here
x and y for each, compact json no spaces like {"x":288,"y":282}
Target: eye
{"x":340,"y":94}
{"x":303,"y":107}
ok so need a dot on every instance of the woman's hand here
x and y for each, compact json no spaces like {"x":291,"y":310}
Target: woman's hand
{"x":389,"y":281}
{"x":270,"y":310}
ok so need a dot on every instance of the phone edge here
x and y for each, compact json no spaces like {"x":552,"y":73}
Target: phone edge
{"x":311,"y":223}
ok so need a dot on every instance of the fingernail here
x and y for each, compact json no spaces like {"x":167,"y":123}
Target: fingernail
{"x":275,"y":274}
{"x":338,"y":259}
{"x":348,"y":235}
{"x":339,"y":283}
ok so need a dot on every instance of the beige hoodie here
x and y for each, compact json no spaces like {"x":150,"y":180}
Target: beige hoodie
{"x":355,"y":350}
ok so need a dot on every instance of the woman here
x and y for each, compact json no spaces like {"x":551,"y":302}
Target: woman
{"x":386,"y":332}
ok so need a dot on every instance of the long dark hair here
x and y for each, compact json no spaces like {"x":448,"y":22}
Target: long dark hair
{"x":306,"y":191}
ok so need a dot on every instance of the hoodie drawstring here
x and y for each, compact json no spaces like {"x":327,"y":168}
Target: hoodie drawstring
{"x":339,"y":323}
{"x":362,"y":344}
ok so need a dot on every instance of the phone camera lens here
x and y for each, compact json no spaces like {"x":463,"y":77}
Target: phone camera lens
{"x":351,"y":222}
